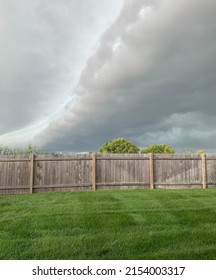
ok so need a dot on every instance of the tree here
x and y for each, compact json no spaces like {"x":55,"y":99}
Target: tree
{"x":119,"y":146}
{"x":158,"y":149}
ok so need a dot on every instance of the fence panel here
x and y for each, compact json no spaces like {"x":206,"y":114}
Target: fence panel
{"x":177,"y":171}
{"x":122,"y":171}
{"x":62,"y":172}
{"x":211,"y":170}
{"x":14,"y":175}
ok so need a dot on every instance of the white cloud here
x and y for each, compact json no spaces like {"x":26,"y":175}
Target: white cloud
{"x":44,"y":47}
{"x":145,"y":11}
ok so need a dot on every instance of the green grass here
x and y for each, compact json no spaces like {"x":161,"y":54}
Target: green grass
{"x":122,"y":224}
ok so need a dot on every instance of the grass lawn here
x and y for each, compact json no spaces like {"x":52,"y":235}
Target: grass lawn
{"x":122,"y":224}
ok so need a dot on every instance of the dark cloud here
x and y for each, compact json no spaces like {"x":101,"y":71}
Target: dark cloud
{"x":151,"y":80}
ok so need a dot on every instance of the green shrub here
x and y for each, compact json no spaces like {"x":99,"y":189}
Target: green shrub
{"x":158,"y":149}
{"x":119,"y":146}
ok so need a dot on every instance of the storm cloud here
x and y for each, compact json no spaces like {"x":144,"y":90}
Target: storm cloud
{"x":151,"y":80}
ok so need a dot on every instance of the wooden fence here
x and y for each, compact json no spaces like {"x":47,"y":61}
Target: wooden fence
{"x":41,"y":173}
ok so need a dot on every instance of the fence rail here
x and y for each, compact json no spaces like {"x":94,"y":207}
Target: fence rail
{"x":41,"y":173}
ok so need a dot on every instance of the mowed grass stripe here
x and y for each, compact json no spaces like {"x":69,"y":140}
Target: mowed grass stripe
{"x":121,"y":224}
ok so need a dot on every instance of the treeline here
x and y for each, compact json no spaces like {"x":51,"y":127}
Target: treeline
{"x":115,"y":146}
{"x":121,"y":145}
{"x":9,"y":151}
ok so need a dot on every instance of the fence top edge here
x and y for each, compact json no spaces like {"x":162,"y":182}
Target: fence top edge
{"x":101,"y":155}
{"x":14,"y":156}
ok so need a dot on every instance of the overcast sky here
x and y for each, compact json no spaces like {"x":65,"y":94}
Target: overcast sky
{"x":75,"y":74}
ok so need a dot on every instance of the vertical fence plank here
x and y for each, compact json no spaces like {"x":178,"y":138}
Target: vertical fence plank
{"x":93,"y":171}
{"x":31,"y":179}
{"x":203,"y":167}
{"x":151,"y":170}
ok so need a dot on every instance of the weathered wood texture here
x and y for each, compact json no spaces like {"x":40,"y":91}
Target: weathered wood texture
{"x":122,"y":171}
{"x":211,"y":170}
{"x":62,"y":172}
{"x":14,"y":175}
{"x":177,"y":171}
{"x":42,"y":173}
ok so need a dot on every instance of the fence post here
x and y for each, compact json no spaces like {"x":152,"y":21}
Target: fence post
{"x":151,"y":170}
{"x":31,"y":179}
{"x":203,"y":167}
{"x":93,"y":171}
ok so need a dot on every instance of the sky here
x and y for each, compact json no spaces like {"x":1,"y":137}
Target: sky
{"x":76,"y":74}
